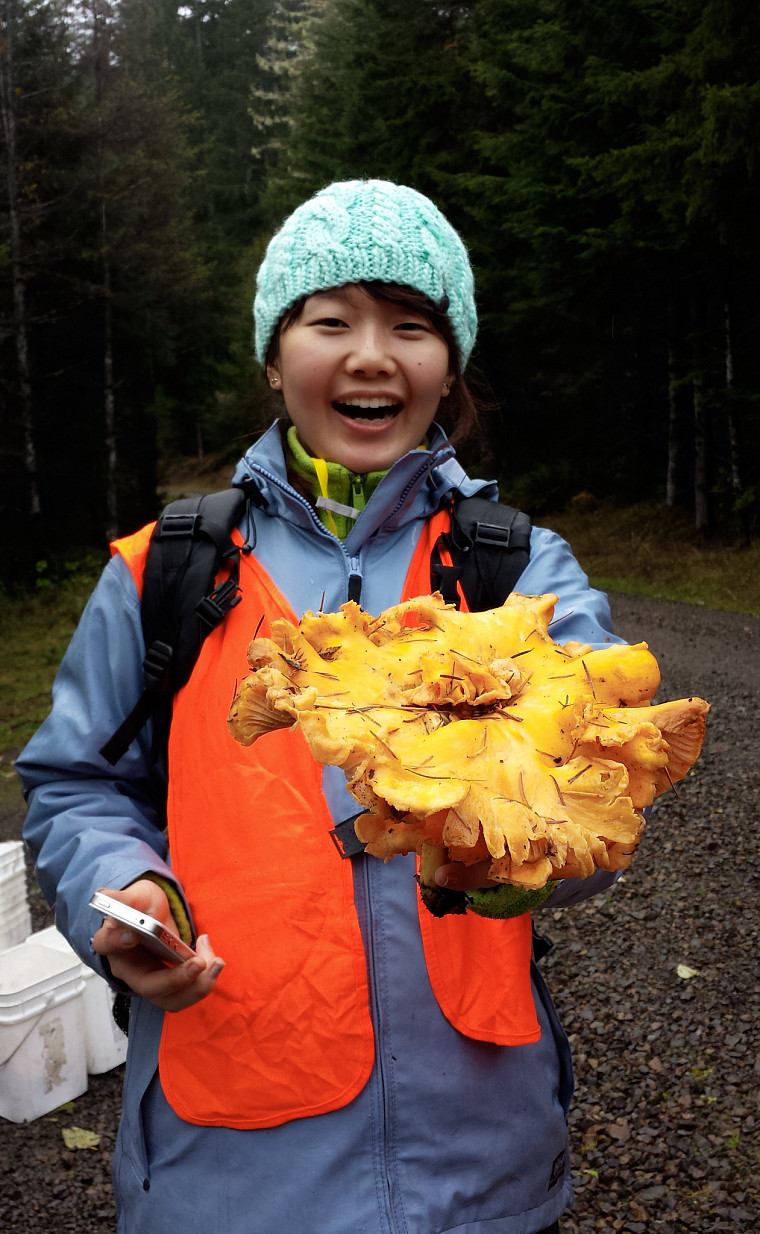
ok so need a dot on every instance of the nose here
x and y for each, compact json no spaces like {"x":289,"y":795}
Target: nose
{"x":370,"y":352}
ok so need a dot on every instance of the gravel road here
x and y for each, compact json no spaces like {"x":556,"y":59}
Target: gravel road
{"x":665,"y":1123}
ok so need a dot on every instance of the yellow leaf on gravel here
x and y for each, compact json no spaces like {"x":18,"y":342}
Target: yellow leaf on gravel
{"x":685,"y":973}
{"x":77,"y":1137}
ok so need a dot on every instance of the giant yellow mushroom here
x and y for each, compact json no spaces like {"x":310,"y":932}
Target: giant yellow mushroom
{"x":474,"y":736}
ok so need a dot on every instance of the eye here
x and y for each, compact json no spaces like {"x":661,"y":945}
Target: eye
{"x":412,"y":327}
{"x":332,"y":323}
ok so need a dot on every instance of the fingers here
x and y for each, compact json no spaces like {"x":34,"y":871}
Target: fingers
{"x":145,"y":896}
{"x":171,"y":989}
{"x":459,"y":877}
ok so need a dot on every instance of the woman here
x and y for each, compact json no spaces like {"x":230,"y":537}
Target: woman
{"x":336,"y":1076}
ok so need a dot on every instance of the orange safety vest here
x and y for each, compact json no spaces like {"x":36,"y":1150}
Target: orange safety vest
{"x":287,"y":1033}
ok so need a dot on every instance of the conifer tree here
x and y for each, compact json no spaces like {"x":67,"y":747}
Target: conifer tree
{"x":37,"y":134}
{"x":381,"y":91}
{"x":613,"y":199}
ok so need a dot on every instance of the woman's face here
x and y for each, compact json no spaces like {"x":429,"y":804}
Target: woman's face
{"x":361,"y":378}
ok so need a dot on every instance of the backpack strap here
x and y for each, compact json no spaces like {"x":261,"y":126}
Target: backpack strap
{"x":489,"y":547}
{"x":181,"y":602}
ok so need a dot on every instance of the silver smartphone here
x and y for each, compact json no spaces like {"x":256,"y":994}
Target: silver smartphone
{"x":152,"y":934}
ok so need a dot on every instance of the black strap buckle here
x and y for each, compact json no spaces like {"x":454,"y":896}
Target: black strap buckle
{"x":345,"y":839}
{"x":213,"y":608}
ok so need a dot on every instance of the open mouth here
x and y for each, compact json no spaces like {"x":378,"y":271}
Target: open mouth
{"x":368,"y":409}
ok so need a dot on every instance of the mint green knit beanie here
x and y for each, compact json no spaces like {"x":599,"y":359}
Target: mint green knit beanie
{"x":360,"y":231}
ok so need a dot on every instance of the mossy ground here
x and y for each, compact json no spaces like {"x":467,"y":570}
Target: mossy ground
{"x":650,"y":551}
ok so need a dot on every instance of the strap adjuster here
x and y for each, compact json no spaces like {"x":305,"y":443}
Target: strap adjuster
{"x":178,"y":526}
{"x":156,"y":667}
{"x":492,"y":535}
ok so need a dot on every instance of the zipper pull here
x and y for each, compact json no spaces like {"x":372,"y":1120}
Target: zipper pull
{"x":358,"y":499}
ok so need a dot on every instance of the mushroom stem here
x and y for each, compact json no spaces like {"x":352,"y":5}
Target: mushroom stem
{"x":438,"y":900}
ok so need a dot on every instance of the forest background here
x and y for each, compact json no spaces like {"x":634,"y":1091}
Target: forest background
{"x":599,"y":157}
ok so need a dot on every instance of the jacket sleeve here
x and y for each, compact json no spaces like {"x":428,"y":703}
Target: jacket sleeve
{"x":88,"y":824}
{"x":582,"y":614}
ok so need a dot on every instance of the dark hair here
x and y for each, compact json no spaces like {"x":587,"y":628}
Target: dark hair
{"x":459,"y":411}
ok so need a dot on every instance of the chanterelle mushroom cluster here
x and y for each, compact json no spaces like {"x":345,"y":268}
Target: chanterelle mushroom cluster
{"x":476,"y":732}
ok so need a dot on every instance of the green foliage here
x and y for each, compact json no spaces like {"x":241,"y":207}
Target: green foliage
{"x":506,"y":901}
{"x":127,"y":211}
{"x":599,"y":156}
{"x":613,"y":189}
{"x":379,"y":89}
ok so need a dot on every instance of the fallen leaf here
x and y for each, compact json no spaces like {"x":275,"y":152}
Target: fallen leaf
{"x":684,"y":972}
{"x":77,"y":1137}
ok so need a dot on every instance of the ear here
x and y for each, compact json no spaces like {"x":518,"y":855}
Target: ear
{"x":447,"y":384}
{"x":273,"y":376}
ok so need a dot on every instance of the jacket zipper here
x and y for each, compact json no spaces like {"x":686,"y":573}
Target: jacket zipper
{"x":386,"y":1187}
{"x":353,"y":567}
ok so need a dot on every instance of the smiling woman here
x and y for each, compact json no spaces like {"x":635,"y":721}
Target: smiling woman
{"x":343,"y":1060}
{"x":361,"y":377}
{"x":459,"y":413}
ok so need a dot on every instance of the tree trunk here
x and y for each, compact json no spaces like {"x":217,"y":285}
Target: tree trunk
{"x":8,"y":109}
{"x":100,"y":62}
{"x":672,"y":484}
{"x":701,"y":505}
{"x":733,"y":432}
{"x":109,"y":399}
{"x":678,"y":478}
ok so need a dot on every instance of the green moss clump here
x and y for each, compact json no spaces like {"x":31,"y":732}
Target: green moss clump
{"x":506,"y":900}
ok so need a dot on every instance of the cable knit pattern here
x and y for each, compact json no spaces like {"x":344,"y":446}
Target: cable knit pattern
{"x":364,"y":230}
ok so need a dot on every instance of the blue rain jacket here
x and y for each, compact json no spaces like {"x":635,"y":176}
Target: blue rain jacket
{"x":449,"y":1134}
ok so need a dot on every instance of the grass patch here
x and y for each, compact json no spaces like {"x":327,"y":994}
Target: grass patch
{"x":35,"y":631}
{"x":181,"y":476}
{"x":647,"y":550}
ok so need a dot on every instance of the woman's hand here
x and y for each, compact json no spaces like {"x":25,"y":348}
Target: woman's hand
{"x":170,"y":988}
{"x":456,"y":876}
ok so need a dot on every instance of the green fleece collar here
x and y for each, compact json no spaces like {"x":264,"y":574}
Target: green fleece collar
{"x":336,"y":489}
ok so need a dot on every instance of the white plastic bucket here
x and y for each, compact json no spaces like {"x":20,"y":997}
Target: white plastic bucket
{"x":42,"y":1053}
{"x":11,"y":857}
{"x":105,"y":1044}
{"x":12,"y":897}
{"x":15,"y":919}
{"x":15,"y":928}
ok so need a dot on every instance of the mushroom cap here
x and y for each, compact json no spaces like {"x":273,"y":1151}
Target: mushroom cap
{"x":476,"y":731}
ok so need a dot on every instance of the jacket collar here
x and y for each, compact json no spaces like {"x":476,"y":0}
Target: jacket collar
{"x":411,"y":489}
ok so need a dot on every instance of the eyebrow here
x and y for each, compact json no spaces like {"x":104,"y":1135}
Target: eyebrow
{"x":335,"y":293}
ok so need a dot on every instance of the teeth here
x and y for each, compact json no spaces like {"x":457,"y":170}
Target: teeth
{"x":369,"y":403}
